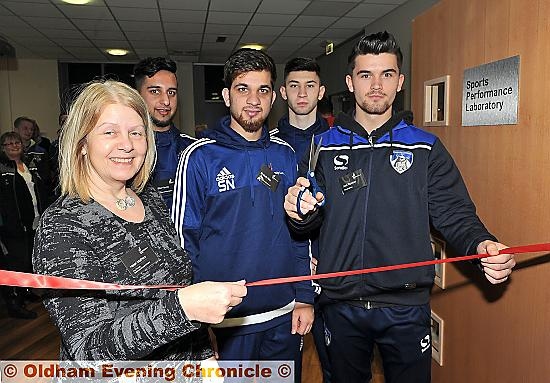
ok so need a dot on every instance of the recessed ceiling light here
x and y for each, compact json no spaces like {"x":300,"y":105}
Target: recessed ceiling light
{"x":117,"y":52}
{"x":258,"y":47}
{"x":76,"y":2}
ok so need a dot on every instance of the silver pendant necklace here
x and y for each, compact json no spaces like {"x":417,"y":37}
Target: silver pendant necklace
{"x":125,"y":203}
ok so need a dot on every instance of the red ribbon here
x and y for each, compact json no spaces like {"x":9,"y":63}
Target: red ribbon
{"x":14,"y":278}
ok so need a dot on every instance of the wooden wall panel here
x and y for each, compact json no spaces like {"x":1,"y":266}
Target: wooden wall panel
{"x":494,"y":333}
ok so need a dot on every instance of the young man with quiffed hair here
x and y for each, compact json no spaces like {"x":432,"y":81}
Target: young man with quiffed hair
{"x":385,"y":181}
{"x":302,"y":89}
{"x":228,"y":212}
{"x":156,"y":81}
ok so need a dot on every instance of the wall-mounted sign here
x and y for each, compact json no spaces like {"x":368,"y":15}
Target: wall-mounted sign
{"x":329,"y":48}
{"x":490,"y":93}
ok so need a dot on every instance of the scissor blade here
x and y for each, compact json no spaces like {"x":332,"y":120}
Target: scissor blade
{"x":311,"y":154}
{"x":313,"y":160}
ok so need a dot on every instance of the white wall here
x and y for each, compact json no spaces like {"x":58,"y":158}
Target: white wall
{"x":29,"y":88}
{"x":185,"y":119}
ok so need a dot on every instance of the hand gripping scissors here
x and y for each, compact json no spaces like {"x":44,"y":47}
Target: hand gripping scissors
{"x":314,"y":186}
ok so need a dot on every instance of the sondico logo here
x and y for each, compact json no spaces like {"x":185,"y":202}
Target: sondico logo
{"x":341,"y":162}
{"x":226,"y":180}
{"x":425,"y":343}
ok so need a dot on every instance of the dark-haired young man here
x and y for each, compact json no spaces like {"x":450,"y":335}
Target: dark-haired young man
{"x":156,"y":81}
{"x":385,"y":182}
{"x":302,"y":91}
{"x":228,"y":212}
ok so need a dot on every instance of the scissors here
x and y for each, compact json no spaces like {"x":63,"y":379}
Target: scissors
{"x":314,"y":186}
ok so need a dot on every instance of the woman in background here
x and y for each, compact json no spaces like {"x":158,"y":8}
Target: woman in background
{"x":110,"y":226}
{"x":23,"y":196}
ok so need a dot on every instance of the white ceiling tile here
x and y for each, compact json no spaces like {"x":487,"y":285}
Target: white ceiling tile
{"x":153,"y":52}
{"x":82,"y":51}
{"x":319,"y":43}
{"x":136,"y":14}
{"x":229,"y":17}
{"x":264,"y":30}
{"x":5,"y":11}
{"x":303,"y":31}
{"x":220,"y":47}
{"x":87,"y":12}
{"x":32,"y":9}
{"x":217,"y":52}
{"x":183,"y":49}
{"x":101,"y":24}
{"x":314,"y":21}
{"x":108,"y":44}
{"x":143,"y":44}
{"x":104,"y":35}
{"x":229,"y":39}
{"x":255,"y":39}
{"x":34,"y":41}
{"x":93,"y":3}
{"x":25,"y":31}
{"x":328,"y":8}
{"x":352,"y":22}
{"x":68,"y":33}
{"x":394,"y":2}
{"x":221,"y":29}
{"x":183,"y":37}
{"x":291,"y":7}
{"x":234,"y":5}
{"x":371,"y":10}
{"x":12,"y":22}
{"x":144,"y":35}
{"x":49,"y":22}
{"x":184,"y":4}
{"x":183,"y":28}
{"x":271,"y":19}
{"x":68,"y":42}
{"x":47,"y":49}
{"x":183,"y":16}
{"x":183,"y":58}
{"x":291,"y":41}
{"x":52,"y":56}
{"x":336,"y":33}
{"x":132,"y":3}
{"x":143,"y":26}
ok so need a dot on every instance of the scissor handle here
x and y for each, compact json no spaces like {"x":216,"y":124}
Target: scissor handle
{"x":314,"y":189}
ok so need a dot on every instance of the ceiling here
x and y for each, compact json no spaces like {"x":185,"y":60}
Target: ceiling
{"x":185,"y":30}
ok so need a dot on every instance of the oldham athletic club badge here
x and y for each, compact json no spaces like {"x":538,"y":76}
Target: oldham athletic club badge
{"x":401,"y":160}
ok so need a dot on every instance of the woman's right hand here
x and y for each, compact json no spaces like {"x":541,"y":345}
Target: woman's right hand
{"x":208,"y":302}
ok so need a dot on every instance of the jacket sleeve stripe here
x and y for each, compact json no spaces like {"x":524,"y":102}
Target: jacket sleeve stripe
{"x":179,"y":197}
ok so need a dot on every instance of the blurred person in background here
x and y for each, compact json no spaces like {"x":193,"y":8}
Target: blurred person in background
{"x":23,"y":197}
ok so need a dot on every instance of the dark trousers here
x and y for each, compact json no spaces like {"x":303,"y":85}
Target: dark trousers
{"x":318,"y":332}
{"x":276,"y":344}
{"x":402,"y":334}
{"x":18,"y":258}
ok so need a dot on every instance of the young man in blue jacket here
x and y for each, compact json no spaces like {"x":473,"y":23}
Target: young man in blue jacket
{"x":302,"y":90}
{"x":228,"y":212}
{"x":157,"y":83}
{"x":385,"y":182}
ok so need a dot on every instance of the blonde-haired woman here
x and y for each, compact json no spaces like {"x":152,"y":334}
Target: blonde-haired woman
{"x":110,"y":226}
